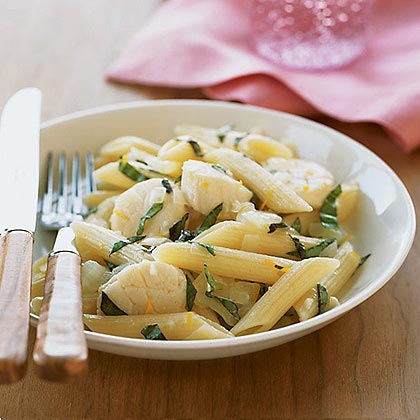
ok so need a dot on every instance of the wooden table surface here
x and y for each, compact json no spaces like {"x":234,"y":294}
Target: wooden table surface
{"x":367,"y":364}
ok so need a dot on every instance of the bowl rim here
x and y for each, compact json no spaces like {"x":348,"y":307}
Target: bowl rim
{"x":272,"y":335}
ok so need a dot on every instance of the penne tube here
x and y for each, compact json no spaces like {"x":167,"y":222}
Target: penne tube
{"x":280,"y":297}
{"x":121,"y":145}
{"x":272,"y":192}
{"x":163,"y":167}
{"x":95,"y":198}
{"x":109,"y":174}
{"x":178,"y":151}
{"x":179,"y":326}
{"x":228,"y":234}
{"x":225,"y":262}
{"x":95,"y":242}
{"x":307,"y":306}
{"x":261,"y":148}
{"x":277,"y":243}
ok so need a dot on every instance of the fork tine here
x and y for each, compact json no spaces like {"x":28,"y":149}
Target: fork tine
{"x":76,"y":193}
{"x":47,"y":199}
{"x":62,"y":198}
{"x":90,"y":183}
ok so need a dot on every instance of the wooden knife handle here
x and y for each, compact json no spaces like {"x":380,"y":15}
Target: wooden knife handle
{"x":15,"y":284}
{"x":60,"y":352}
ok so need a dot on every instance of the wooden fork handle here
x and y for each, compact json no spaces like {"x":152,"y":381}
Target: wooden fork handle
{"x":15,"y":283}
{"x":60,"y":352}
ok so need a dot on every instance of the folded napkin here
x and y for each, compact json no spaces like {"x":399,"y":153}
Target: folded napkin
{"x":205,"y":43}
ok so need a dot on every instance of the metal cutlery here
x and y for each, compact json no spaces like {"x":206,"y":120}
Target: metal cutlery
{"x":60,"y":352}
{"x":19,"y":172}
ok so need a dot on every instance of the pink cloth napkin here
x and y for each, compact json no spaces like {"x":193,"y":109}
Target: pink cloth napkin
{"x":205,"y":43}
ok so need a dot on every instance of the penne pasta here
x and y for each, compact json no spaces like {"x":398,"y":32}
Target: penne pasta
{"x":95,"y":242}
{"x":280,"y":297}
{"x":122,"y":145}
{"x":180,"y":326}
{"x":307,"y":306}
{"x":347,"y":200}
{"x":273,"y":193}
{"x":95,"y":198}
{"x":225,"y":262}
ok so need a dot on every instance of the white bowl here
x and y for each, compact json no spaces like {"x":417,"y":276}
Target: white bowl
{"x":383,"y":225}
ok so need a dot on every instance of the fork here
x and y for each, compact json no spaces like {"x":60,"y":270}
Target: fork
{"x":60,"y":352}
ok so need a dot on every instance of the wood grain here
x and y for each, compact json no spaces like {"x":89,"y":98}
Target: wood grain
{"x":365,"y":365}
{"x":15,"y":281}
{"x":60,"y":352}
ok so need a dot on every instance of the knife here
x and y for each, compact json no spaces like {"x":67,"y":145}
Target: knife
{"x":60,"y":352}
{"x":19,"y":173}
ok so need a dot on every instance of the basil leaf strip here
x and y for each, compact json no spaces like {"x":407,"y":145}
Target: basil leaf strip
{"x":153,"y":211}
{"x":363,"y":259}
{"x":129,"y":170}
{"x":211,"y":218}
{"x":167,"y":185}
{"x":223,"y":131}
{"x":108,"y":307}
{"x":152,"y":332}
{"x":219,"y":168}
{"x":296,"y":225}
{"x":229,"y":304}
{"x":191,"y":292}
{"x":322,"y":297}
{"x":328,"y":210}
{"x":237,"y":140}
{"x":314,"y":251}
{"x":176,"y":229}
{"x":208,"y":247}
{"x":274,"y":226}
{"x":210,"y":279}
{"x":178,"y":179}
{"x":121,"y":244}
{"x":187,"y":235}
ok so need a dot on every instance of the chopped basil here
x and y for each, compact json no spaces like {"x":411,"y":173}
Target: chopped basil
{"x":153,"y":211}
{"x":208,"y":247}
{"x":296,"y":225}
{"x":191,"y":292}
{"x":167,"y":185}
{"x":176,"y":229}
{"x":121,"y":244}
{"x":363,"y":259}
{"x":129,"y":170}
{"x":210,"y":219}
{"x":152,"y":332}
{"x":279,"y":267}
{"x":237,"y":140}
{"x":328,"y":210}
{"x":108,"y":307}
{"x":229,"y":304}
{"x":186,"y":235}
{"x":314,"y":251}
{"x":222,"y":131}
{"x":322,"y":297}
{"x":219,"y":168}
{"x":210,"y":279}
{"x":178,"y":179}
{"x":274,"y":226}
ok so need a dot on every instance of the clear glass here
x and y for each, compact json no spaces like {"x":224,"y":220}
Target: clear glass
{"x":310,"y":34}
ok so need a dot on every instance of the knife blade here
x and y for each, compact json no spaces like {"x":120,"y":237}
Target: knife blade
{"x":19,"y":173}
{"x":60,"y":352}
